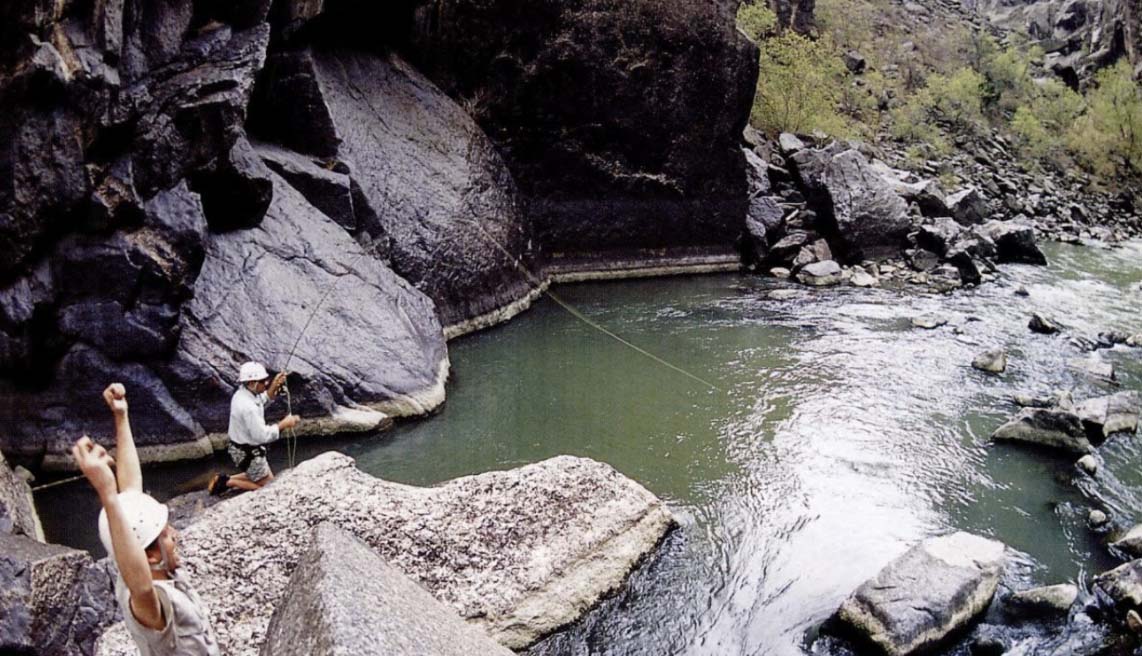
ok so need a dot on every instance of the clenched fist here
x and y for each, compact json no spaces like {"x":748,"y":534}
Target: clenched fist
{"x":95,"y":463}
{"x":116,"y":398}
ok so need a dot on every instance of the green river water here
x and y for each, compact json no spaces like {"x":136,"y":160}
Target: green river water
{"x":838,"y":436}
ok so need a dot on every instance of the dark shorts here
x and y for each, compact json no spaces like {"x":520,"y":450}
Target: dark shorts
{"x":258,"y":468}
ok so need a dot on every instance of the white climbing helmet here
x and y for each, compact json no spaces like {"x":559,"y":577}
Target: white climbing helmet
{"x":252,"y":371}
{"x":146,"y":517}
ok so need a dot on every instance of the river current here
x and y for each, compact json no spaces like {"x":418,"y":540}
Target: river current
{"x":838,"y":436}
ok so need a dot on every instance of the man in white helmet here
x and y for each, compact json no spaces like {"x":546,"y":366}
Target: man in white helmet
{"x":161,"y":611}
{"x":248,"y":431}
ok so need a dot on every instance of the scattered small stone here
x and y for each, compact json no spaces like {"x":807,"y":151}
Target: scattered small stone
{"x":1135,"y":340}
{"x":1088,"y":464}
{"x":929,"y":321}
{"x":1097,"y":519}
{"x":1022,"y":291}
{"x":862,"y":279}
{"x":1096,"y":369}
{"x":785,"y":294}
{"x":790,"y":143}
{"x":994,"y":361}
{"x":1048,"y":600}
{"x":1042,"y":325}
{"x":780,"y":272}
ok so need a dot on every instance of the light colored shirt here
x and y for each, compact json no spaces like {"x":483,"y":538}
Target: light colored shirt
{"x":248,"y":419}
{"x":187,"y":631}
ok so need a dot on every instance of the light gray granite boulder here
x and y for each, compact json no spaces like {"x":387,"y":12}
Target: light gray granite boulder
{"x":1123,"y":585}
{"x":917,"y":600}
{"x":820,"y":274}
{"x":1131,"y":542}
{"x":517,"y":553}
{"x":17,"y":512}
{"x":1116,"y":413}
{"x":994,"y":361}
{"x":1044,"y":601}
{"x":1054,"y":427}
{"x":345,"y":600}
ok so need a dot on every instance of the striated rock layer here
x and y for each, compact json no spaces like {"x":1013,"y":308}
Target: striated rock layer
{"x":517,"y":553}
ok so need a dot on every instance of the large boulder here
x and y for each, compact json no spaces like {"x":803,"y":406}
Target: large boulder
{"x":17,"y":510}
{"x":1014,"y":242}
{"x":341,"y":586}
{"x":919,"y":599}
{"x":53,"y":600}
{"x":967,"y":206}
{"x":596,"y":107}
{"x":363,"y":335}
{"x":1123,"y":585}
{"x":764,"y":221}
{"x":859,"y":211}
{"x":1054,"y":427}
{"x":428,"y":180}
{"x":517,"y":553}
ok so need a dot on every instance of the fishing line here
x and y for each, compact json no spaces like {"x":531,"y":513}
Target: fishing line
{"x":62,"y":481}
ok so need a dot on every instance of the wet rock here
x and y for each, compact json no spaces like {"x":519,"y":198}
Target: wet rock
{"x":316,"y":616}
{"x":919,"y":599}
{"x":922,"y":260}
{"x":854,"y":202}
{"x":517,"y":553}
{"x":967,"y":206}
{"x":17,"y":510}
{"x":994,"y":361}
{"x":1052,"y":600}
{"x":1051,"y":427}
{"x":1042,"y":325}
{"x":1130,"y":543}
{"x":374,"y":316}
{"x":1022,"y":291}
{"x":785,"y":294}
{"x":1096,"y":369}
{"x":1014,"y":242}
{"x":820,"y":274}
{"x":42,"y":598}
{"x":1122,"y":585}
{"x":1134,"y":622}
{"x":599,"y":130}
{"x":432,"y":183}
{"x":780,"y":273}
{"x":1105,"y":415}
{"x":1134,"y":340}
{"x":1097,"y":519}
{"x":1088,"y":463}
{"x":966,"y":266}
{"x":929,"y":321}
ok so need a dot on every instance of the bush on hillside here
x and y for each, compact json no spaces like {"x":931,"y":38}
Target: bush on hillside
{"x":1108,"y":136}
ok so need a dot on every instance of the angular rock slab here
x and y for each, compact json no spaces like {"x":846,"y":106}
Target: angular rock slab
{"x":1053,"y":427}
{"x":1105,"y":415}
{"x":518,"y":553}
{"x":1131,"y":542}
{"x":344,"y":600}
{"x":917,"y":600}
{"x":433,"y":182}
{"x":374,"y":340}
{"x":1123,"y":585}
{"x":53,"y":600}
{"x":17,"y":510}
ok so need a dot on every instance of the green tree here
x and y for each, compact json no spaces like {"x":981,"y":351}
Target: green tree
{"x":1108,"y":136}
{"x":799,"y":87}
{"x":958,"y":98}
{"x":756,"y":21}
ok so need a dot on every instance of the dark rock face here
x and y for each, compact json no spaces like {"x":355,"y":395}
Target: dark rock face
{"x":764,"y":221}
{"x":439,"y":190}
{"x":53,"y":599}
{"x":317,"y":618}
{"x":860,"y":211}
{"x":595,"y":108}
{"x":257,"y":291}
{"x":1014,"y":242}
{"x":1053,"y":427}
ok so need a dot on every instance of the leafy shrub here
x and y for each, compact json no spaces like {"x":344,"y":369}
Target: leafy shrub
{"x":1108,"y":136}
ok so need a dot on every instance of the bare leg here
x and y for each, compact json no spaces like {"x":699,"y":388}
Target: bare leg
{"x":242,"y":482}
{"x":263,"y":482}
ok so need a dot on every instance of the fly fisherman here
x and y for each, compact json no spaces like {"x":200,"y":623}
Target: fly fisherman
{"x":161,"y":611}
{"x":248,"y":431}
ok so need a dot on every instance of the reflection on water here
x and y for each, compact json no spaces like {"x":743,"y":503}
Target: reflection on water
{"x":839,"y":437}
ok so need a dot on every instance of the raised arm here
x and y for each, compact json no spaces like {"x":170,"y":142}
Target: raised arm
{"x":95,"y":463}
{"x":128,"y":471}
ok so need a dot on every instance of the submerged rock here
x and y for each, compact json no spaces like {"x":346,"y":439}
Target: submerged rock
{"x":1053,"y":427}
{"x":1096,"y":369}
{"x":517,"y":553}
{"x":341,"y":586}
{"x":1042,"y":325}
{"x":991,"y":361}
{"x":929,"y":321}
{"x":1088,"y":464}
{"x":820,"y":274}
{"x":1045,"y":601}
{"x":1123,"y":585}
{"x":1097,"y":518}
{"x":919,"y":599}
{"x":1105,"y":415}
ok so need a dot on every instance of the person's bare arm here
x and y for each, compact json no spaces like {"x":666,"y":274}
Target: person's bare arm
{"x":128,"y":472}
{"x":95,"y":463}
